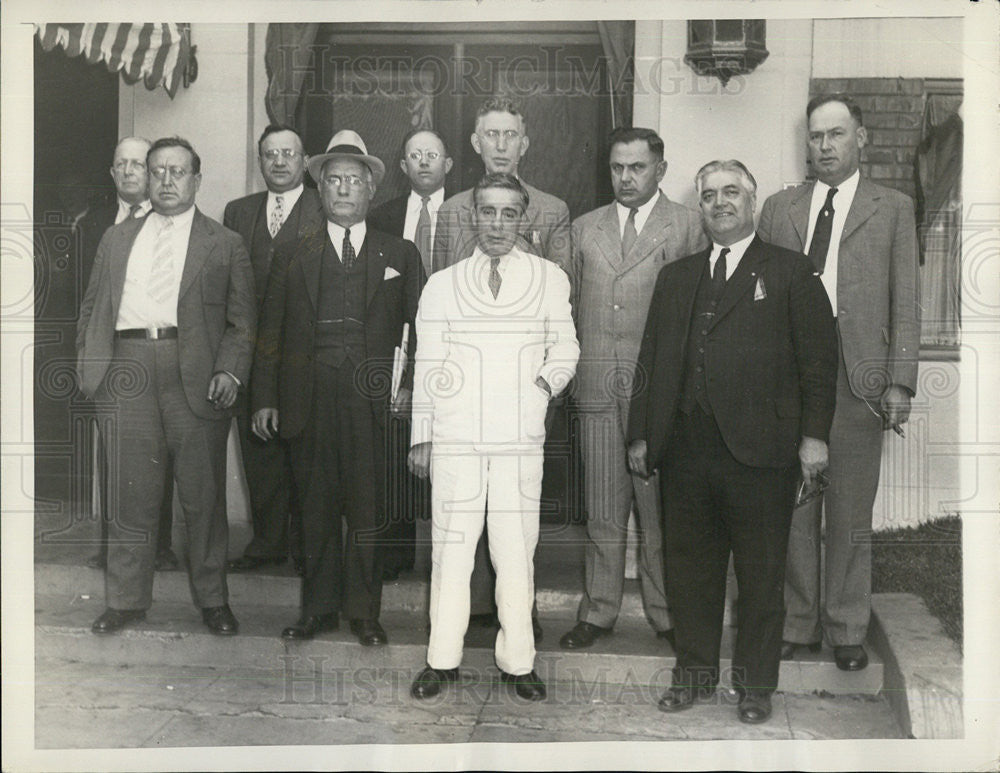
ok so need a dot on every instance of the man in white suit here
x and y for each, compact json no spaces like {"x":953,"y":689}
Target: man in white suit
{"x":495,"y":342}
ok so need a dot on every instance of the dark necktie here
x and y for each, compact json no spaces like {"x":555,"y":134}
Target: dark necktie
{"x":820,"y":245}
{"x":630,"y":234}
{"x":134,"y":211}
{"x":347,"y":251}
{"x":719,"y":274}
{"x":423,"y":233}
{"x":494,"y":281}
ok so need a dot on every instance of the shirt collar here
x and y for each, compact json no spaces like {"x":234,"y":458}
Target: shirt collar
{"x":288,"y":198}
{"x":183,"y":220}
{"x":436,"y":200}
{"x":736,"y":250}
{"x":641,"y":213}
{"x":358,"y":231}
{"x":845,"y":190}
{"x":482,"y":260}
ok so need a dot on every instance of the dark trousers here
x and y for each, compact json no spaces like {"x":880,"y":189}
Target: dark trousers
{"x":149,"y":427}
{"x":409,"y":499}
{"x":274,"y":506}
{"x":713,"y":504}
{"x":339,"y":467}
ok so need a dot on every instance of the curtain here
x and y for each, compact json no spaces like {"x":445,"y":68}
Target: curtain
{"x":287,"y":59}
{"x":154,"y":53}
{"x":618,"y":40}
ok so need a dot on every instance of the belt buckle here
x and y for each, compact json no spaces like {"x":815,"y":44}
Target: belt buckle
{"x":153,"y":333}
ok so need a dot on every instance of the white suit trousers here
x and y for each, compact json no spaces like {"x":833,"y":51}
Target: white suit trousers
{"x":509,"y":479}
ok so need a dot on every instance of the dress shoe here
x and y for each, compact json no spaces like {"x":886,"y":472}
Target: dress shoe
{"x":851,"y":657}
{"x":166,"y":561}
{"x":485,"y":620}
{"x":252,"y":563}
{"x":113,"y":620}
{"x":754,"y":708}
{"x":788,"y":648}
{"x":527,"y":686}
{"x":390,"y":574}
{"x":309,"y":626}
{"x":668,"y":637}
{"x":582,"y":635}
{"x":220,"y":620}
{"x":98,"y":561}
{"x":369,"y":632}
{"x":536,"y":630}
{"x":683,"y":696}
{"x":428,"y":682}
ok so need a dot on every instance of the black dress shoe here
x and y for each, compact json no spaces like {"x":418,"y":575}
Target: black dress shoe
{"x":369,"y":632}
{"x":113,"y":620}
{"x":220,"y":620}
{"x":527,"y":686}
{"x":166,"y":561}
{"x":754,"y":708}
{"x":582,"y":635}
{"x":252,"y":563}
{"x":98,"y":561}
{"x":485,"y":620}
{"x":682,"y":696}
{"x":536,"y":630}
{"x":309,"y":626}
{"x":668,"y":637}
{"x":851,"y":657}
{"x":428,"y":682}
{"x":788,"y":648}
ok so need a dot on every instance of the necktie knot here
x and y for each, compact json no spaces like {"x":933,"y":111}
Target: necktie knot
{"x":277,"y":215}
{"x":134,"y":210}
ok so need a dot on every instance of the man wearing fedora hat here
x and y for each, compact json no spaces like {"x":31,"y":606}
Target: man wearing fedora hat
{"x":337,"y":300}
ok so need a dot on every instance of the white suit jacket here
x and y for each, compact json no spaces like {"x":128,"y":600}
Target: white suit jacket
{"x":477,"y":357}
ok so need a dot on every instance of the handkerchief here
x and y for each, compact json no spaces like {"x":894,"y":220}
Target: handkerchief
{"x":390,"y":272}
{"x":760,"y":293}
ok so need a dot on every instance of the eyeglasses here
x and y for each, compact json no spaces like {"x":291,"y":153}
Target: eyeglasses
{"x":352,"y":180}
{"x":123,"y":166}
{"x":493,"y":135}
{"x":176,"y":172}
{"x":417,"y":156}
{"x":286,"y":153}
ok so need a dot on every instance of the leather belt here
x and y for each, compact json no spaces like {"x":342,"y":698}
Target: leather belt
{"x":148,"y":334}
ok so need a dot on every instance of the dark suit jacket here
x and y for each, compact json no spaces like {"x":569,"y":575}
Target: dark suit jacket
{"x":283,"y":366}
{"x":216,"y":316}
{"x":390,"y":217}
{"x":243,"y":215}
{"x":878,"y":313}
{"x":770,"y":362}
{"x":92,"y":226}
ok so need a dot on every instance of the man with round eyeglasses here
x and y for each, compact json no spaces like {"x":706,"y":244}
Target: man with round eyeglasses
{"x":266,"y":220}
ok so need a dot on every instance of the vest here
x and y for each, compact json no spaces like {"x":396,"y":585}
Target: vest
{"x":695,"y":389}
{"x":340,"y":327}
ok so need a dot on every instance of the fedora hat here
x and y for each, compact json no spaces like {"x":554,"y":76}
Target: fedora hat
{"x":346,"y":144}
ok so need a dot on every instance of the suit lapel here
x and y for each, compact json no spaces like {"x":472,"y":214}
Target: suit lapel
{"x":652,"y":235}
{"x":863,"y":207}
{"x":199,"y":248}
{"x":741,"y":282}
{"x":609,"y":239}
{"x":119,"y":264}
{"x":375,"y":262}
{"x":686,"y":289}
{"x":310,"y":258}
{"x":798,"y":213}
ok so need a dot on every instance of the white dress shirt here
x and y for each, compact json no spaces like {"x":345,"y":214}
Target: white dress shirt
{"x":336,"y":232}
{"x":736,"y":250}
{"x":125,"y":209}
{"x":413,"y":205}
{"x":841,"y":206}
{"x":138,"y":309}
{"x":641,"y":214}
{"x":288,"y":200}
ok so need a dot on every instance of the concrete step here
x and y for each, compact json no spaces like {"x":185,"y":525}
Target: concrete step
{"x":632,"y":658}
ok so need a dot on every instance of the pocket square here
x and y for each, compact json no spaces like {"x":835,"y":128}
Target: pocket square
{"x":390,"y":273}
{"x":760,"y":293}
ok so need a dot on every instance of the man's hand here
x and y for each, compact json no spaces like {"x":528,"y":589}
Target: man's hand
{"x":895,"y":404}
{"x":265,"y":423}
{"x":637,"y":458}
{"x":401,"y":405}
{"x":814,"y":458}
{"x":541,"y":383}
{"x":419,"y":460}
{"x":222,"y":391}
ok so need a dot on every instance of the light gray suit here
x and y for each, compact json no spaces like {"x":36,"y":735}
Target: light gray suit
{"x":611,"y":295}
{"x":878,"y":320}
{"x":151,"y":397}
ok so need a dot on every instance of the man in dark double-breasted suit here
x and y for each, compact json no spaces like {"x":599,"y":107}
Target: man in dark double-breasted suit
{"x":337,"y":301}
{"x":282,"y":214}
{"x":734,"y":397}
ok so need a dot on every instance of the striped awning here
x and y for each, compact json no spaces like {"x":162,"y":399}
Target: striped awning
{"x":154,"y":53}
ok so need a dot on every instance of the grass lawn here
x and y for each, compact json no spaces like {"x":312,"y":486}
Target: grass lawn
{"x":927,"y":561}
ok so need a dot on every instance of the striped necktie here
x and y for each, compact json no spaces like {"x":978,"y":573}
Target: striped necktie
{"x":494,"y":280}
{"x":161,"y":273}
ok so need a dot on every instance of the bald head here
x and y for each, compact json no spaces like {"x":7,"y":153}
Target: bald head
{"x":128,"y":170}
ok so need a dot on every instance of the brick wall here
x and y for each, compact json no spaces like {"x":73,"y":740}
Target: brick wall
{"x":893,"y":110}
